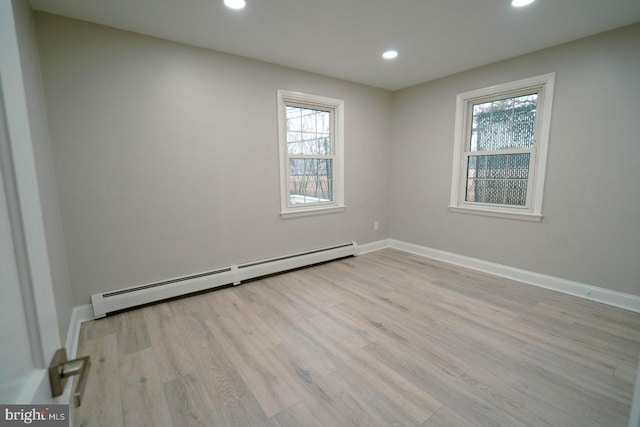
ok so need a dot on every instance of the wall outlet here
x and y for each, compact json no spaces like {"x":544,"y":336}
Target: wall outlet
{"x":376,"y":225}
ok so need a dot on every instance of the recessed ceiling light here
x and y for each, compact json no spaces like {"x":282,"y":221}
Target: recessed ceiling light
{"x":390,"y":54}
{"x":235,"y":4}
{"x":520,"y":3}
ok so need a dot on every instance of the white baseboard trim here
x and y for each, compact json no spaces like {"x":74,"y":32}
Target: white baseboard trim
{"x":372,"y":246}
{"x":589,"y":292}
{"x":79,"y":315}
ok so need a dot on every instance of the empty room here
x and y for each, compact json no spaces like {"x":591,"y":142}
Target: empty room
{"x":320,"y":213}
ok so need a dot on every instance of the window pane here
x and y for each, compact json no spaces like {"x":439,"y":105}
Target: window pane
{"x":498,"y":179}
{"x":308,"y":131}
{"x":310,"y":181}
{"x":518,"y":166}
{"x":504,"y":123}
{"x":516,"y":192}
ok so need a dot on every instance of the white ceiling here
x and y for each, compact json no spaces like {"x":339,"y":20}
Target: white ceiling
{"x":346,"y":38}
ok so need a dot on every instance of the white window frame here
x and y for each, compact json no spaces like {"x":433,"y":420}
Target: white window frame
{"x":336,"y":108}
{"x":532,"y":211}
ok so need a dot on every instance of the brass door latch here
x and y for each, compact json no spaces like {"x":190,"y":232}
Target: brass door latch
{"x":60,"y":369}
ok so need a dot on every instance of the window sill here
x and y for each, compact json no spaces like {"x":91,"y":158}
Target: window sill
{"x":311,"y":211}
{"x":521,"y":216}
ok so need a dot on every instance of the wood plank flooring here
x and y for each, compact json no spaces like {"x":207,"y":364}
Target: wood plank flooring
{"x":384,"y":339}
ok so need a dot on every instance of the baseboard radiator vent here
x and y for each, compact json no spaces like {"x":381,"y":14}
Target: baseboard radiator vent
{"x":109,"y":302}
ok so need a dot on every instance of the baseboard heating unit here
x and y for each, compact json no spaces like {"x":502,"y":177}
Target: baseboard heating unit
{"x":109,"y":302}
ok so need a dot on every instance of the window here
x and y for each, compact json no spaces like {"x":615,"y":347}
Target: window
{"x":311,"y":166}
{"x":500,"y":149}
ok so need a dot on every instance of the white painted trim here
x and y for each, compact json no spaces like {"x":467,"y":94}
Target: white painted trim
{"x":545,"y":84}
{"x":589,"y":292}
{"x":372,"y":247}
{"x":543,"y":141}
{"x":511,"y":214}
{"x":337,"y":107}
{"x":516,"y":85}
{"x":79,"y":315}
{"x":312,"y":211}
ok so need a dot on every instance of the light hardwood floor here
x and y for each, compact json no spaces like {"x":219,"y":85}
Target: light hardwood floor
{"x":384,"y":339}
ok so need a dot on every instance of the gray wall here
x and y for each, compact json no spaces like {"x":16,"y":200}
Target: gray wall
{"x":167,"y":157}
{"x":167,"y":160}
{"x":591,"y":227}
{"x":39,"y":133}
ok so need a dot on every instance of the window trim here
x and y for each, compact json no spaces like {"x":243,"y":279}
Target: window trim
{"x":336,"y":107}
{"x":533,"y":211}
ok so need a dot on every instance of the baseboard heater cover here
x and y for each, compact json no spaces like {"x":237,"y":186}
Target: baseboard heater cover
{"x":109,"y":302}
